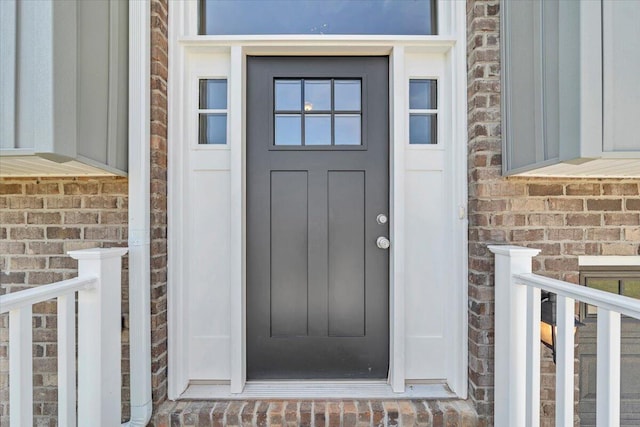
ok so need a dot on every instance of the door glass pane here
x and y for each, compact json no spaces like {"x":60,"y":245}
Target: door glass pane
{"x":317,"y":95}
{"x":288,"y":95}
{"x":402,"y":17}
{"x":288,"y":129}
{"x":423,"y":94}
{"x":213,"y":94}
{"x":317,"y":130}
{"x":423,"y":129}
{"x":213,"y":129}
{"x":347,"y":129}
{"x":347,"y":95}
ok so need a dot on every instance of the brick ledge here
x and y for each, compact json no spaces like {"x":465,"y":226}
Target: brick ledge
{"x":316,"y":413}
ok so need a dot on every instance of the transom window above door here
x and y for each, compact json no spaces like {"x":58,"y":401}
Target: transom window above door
{"x":317,"y":112}
{"x":244,"y":17}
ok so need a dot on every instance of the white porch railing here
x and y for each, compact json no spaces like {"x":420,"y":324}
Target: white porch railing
{"x":517,"y":342}
{"x":99,"y":312}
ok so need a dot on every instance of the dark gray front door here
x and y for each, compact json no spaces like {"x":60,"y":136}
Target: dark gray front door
{"x":317,"y":178}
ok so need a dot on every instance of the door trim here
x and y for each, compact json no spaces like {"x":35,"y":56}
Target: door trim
{"x":183,"y":42}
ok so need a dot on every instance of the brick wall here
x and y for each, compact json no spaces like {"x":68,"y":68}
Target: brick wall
{"x":40,"y":220}
{"x":564,"y":218}
{"x":159,"y":75}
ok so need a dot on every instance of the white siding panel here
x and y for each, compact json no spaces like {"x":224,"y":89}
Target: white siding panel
{"x":208,"y":217}
{"x":621,"y":62}
{"x":8,"y":30}
{"x":35,"y":82}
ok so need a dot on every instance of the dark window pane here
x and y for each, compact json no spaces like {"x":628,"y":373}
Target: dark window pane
{"x":317,"y":95}
{"x":347,"y":94}
{"x":423,"y":94}
{"x":288,"y":95}
{"x":631,"y":288}
{"x":402,"y":17}
{"x":317,"y":130}
{"x":423,"y":129}
{"x":288,"y":129}
{"x":213,"y":129}
{"x":347,"y":129}
{"x":213,"y":94}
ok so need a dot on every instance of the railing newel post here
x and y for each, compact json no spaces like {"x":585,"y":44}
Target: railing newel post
{"x":99,"y":344}
{"x":510,"y":377}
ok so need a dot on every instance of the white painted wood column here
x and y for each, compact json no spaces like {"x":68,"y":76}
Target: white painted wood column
{"x":565,"y":319}
{"x":99,"y":344}
{"x":510,"y":335}
{"x":608,"y":369}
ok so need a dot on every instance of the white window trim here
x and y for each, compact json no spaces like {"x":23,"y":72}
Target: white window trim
{"x":182,"y":36}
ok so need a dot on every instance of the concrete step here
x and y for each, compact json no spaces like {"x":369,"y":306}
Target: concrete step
{"x":316,"y":413}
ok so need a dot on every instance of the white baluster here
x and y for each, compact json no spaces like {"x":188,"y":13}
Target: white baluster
{"x":20,"y":367}
{"x":608,"y":369}
{"x":565,"y":320}
{"x":67,"y":360}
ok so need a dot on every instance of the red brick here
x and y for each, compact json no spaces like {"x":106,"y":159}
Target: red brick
{"x":569,"y":205}
{"x":620,"y":189}
{"x":583,"y":190}
{"x":599,"y":234}
{"x":7,"y":218}
{"x":27,"y":263}
{"x":46,"y":248}
{"x":527,"y":235}
{"x":81,"y":217}
{"x":66,"y":202}
{"x":561,"y":264}
{"x":77,"y":188}
{"x":10,"y":248}
{"x":604,"y":205}
{"x":26,"y":233}
{"x":619,"y":249}
{"x":583,"y":219}
{"x":319,"y":414}
{"x":633,"y":204}
{"x":42,"y":188}
{"x":115,"y":187}
{"x":44,"y":218}
{"x":18,"y":202}
{"x":6,"y":188}
{"x":546,"y":219}
{"x":621,"y":219}
{"x":102,"y":233}
{"x":63,"y":233}
{"x":545,"y":189}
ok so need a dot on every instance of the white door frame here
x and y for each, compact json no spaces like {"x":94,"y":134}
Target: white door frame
{"x":182,"y":37}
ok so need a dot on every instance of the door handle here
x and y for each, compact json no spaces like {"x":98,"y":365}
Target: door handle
{"x":383,"y":243}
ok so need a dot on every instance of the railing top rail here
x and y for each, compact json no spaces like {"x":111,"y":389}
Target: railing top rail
{"x":618,"y":303}
{"x":42,"y":293}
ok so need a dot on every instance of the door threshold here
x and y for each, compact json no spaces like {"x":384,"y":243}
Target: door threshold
{"x":301,"y":390}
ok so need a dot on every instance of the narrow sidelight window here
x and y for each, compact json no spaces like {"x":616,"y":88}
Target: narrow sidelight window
{"x":212,"y":112}
{"x":423,"y":111}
